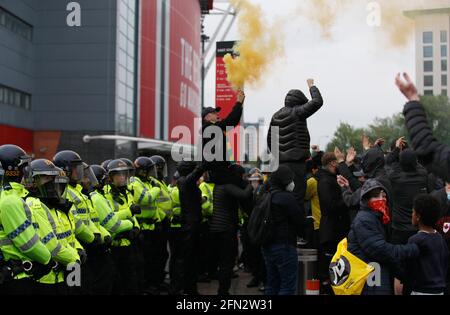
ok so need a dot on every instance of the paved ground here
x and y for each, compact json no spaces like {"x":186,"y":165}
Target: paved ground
{"x":238,"y":286}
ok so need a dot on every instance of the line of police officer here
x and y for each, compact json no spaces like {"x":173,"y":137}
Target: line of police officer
{"x":112,"y":220}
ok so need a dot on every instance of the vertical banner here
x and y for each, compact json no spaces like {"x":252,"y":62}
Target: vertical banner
{"x":226,"y":97}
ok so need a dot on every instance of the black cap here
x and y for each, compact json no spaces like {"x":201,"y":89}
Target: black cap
{"x":210,"y":110}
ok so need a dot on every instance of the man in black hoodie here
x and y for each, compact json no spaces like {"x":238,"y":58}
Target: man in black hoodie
{"x":214,"y":138}
{"x":185,"y":277}
{"x":294,"y":139}
{"x":408,"y":181}
{"x":435,"y":155}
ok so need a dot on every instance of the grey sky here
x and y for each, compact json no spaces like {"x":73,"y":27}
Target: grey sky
{"x":355,"y":70}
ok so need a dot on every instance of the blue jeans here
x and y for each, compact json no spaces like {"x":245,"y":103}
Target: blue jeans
{"x":282,"y":269}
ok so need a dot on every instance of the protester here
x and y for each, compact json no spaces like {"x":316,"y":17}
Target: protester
{"x":435,"y":155}
{"x":280,"y":253}
{"x":426,"y":275}
{"x":293,"y":139}
{"x":367,"y":238}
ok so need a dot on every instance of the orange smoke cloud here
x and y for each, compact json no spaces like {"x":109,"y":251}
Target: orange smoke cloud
{"x":261,"y":44}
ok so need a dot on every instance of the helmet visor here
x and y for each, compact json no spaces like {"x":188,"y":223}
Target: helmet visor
{"x":77,"y":172}
{"x":89,"y":179}
{"x":162,"y":170}
{"x":120,"y":178}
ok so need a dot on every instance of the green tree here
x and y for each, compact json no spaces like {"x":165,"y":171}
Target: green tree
{"x":345,"y":137}
{"x":392,"y":128}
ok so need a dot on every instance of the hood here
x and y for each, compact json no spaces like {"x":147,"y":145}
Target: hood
{"x":185,"y":168}
{"x":372,"y":162}
{"x":368,"y":186}
{"x":295,"y":98}
{"x":281,"y":177}
{"x":408,"y":160}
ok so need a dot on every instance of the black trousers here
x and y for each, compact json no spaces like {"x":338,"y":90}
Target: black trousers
{"x":227,"y":244}
{"x":175,"y":261}
{"x":127,"y":276}
{"x":299,"y":171}
{"x":103,"y":272}
{"x":154,"y":250}
{"x":189,"y":259}
{"x":202,"y":250}
{"x":19,"y":287}
{"x":51,"y":289}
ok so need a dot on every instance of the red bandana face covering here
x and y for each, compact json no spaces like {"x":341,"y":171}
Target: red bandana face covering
{"x":381,"y":206}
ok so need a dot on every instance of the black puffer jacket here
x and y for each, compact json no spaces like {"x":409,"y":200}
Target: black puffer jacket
{"x":435,"y":155}
{"x":226,"y":199}
{"x":294,"y":138}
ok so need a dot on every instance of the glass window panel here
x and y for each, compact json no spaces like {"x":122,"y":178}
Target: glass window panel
{"x":122,"y":56}
{"x":428,"y":80}
{"x":428,"y":37}
{"x":1,"y":95}
{"x":130,"y":63}
{"x":443,"y":65}
{"x":444,"y":37}
{"x":123,"y":7}
{"x":444,"y":80}
{"x":428,"y":52}
{"x":444,"y":93}
{"x":122,"y":40}
{"x":130,"y":79}
{"x":122,"y":90}
{"x":444,"y":51}
{"x":428,"y":66}
{"x":428,"y":92}
{"x":121,"y":107}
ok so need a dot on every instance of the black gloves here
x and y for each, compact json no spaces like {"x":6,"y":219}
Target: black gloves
{"x":38,"y":270}
{"x":135,"y":209}
{"x":133,"y":233}
{"x":107,"y":241}
{"x":83,"y":256}
{"x":6,"y":274}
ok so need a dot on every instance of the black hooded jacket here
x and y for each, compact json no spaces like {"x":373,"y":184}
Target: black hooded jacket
{"x":288,"y":218}
{"x":335,"y":221}
{"x":408,"y":181}
{"x":294,"y":138}
{"x":372,"y":164}
{"x":190,"y":195}
{"x":435,"y":155}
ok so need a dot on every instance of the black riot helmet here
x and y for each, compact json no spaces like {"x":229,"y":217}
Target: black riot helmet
{"x":130,"y":165}
{"x":118,"y":173}
{"x":105,"y":163}
{"x":71,"y":163}
{"x":49,"y":182}
{"x":101,"y":174}
{"x":161,"y":166}
{"x":145,"y":167}
{"x":15,"y":162}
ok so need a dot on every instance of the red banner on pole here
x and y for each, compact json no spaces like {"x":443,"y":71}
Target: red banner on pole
{"x":226,"y":97}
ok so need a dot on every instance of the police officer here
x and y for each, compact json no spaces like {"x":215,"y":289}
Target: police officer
{"x":85,"y":229}
{"x":124,"y":249}
{"x":175,"y":238}
{"x":146,"y":196}
{"x":164,"y":209}
{"x":21,"y":246}
{"x":100,"y":261}
{"x":46,"y":191}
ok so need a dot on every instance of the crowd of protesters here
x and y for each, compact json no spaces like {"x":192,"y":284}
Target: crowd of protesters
{"x":123,"y":223}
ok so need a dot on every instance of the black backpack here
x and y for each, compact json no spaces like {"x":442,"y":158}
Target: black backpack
{"x":260,"y":224}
